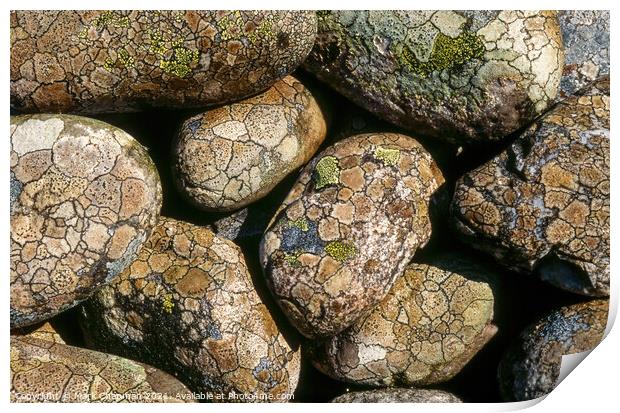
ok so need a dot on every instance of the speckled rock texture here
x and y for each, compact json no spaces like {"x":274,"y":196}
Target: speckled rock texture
{"x":586,"y":47}
{"x":113,"y":61}
{"x":543,"y":204}
{"x":43,"y":331}
{"x":352,"y":221}
{"x":187,"y":305}
{"x":531,"y":367}
{"x":460,"y":76}
{"x":231,"y":156}
{"x":44,"y":371}
{"x":84,"y":197}
{"x":249,"y":222}
{"x":433,"y":321}
{"x":396,"y":395}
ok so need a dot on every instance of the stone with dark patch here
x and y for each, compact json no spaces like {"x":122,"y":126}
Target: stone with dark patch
{"x":397,"y":395}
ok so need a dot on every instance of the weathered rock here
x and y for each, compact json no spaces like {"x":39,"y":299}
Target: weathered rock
{"x":396,"y":395}
{"x":466,"y":75}
{"x":112,"y":61}
{"x":84,"y":196}
{"x":531,"y":367}
{"x":241,"y":225}
{"x":352,"y":221}
{"x":44,"y":371}
{"x":44,"y":331}
{"x":187,"y":305}
{"x":543,"y":204}
{"x":231,"y":156}
{"x":586,"y":47}
{"x":435,"y":318}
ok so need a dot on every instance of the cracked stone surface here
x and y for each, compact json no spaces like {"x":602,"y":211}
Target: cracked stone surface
{"x":396,"y":395}
{"x":543,"y":204}
{"x":531,"y":367}
{"x":586,"y":47}
{"x":352,"y":221}
{"x":435,"y":318}
{"x":187,"y":305}
{"x":460,"y":76}
{"x":112,"y":61}
{"x":44,"y":331}
{"x":84,"y":197}
{"x":43,"y":370}
{"x":229,"y":157}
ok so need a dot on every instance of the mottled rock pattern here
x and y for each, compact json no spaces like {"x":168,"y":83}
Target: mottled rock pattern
{"x":396,"y":395}
{"x":456,"y":75}
{"x":352,"y":221}
{"x":531,"y":367}
{"x":246,"y":223}
{"x":84,"y":196}
{"x":231,"y":156}
{"x":586,"y":47}
{"x":44,"y":371}
{"x":433,"y":321}
{"x":187,"y":305}
{"x":111,"y":61}
{"x":44,"y":331}
{"x":543,"y":204}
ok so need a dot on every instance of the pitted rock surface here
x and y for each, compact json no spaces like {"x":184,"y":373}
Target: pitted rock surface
{"x":543,"y":204}
{"x":531,"y":367}
{"x":433,"y":321}
{"x":353,"y":220}
{"x":231,"y":156}
{"x":84,"y":197}
{"x":586,"y":47}
{"x":396,"y":395}
{"x":111,"y":61}
{"x":187,"y":305}
{"x":460,"y":76}
{"x":44,"y":371}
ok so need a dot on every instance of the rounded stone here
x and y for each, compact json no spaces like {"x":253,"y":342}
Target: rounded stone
{"x":352,"y":221}
{"x":542,"y":205}
{"x":45,"y":371}
{"x":229,"y":157}
{"x":531,"y":366}
{"x":586,"y":44}
{"x":84,"y":197}
{"x":114,"y":61}
{"x":187,"y":305}
{"x":435,"y":318}
{"x":457,"y":75}
{"x":397,"y":395}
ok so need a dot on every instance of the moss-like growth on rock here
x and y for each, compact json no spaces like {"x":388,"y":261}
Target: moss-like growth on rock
{"x":448,"y":53}
{"x":326,"y":172}
{"x":340,"y":251}
{"x":388,"y":156}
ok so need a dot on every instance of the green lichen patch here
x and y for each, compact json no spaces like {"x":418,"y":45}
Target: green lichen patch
{"x":126,"y":59}
{"x":340,"y":251}
{"x":111,"y":18}
{"x":326,"y":172}
{"x":181,"y":63}
{"x":292,"y":259}
{"x":388,"y":156}
{"x":300,"y":223}
{"x":448,"y":53}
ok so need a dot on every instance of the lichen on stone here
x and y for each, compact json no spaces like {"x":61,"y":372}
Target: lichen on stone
{"x":340,"y":251}
{"x":388,"y":156}
{"x":327,"y":172}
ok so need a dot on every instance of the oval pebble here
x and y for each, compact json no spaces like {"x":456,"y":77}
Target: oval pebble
{"x":456,"y":75}
{"x":435,"y":318}
{"x":531,"y":366}
{"x":187,"y":305}
{"x":229,"y":157}
{"x":115,"y":61}
{"x":542,"y":205}
{"x":396,"y":395}
{"x":84,"y":197}
{"x":353,"y":220}
{"x":45,"y":371}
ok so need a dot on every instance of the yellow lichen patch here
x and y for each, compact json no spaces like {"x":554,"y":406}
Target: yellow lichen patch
{"x":340,"y":251}
{"x":300,"y":223}
{"x":167,"y":304}
{"x":327,"y":172}
{"x":387,"y":155}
